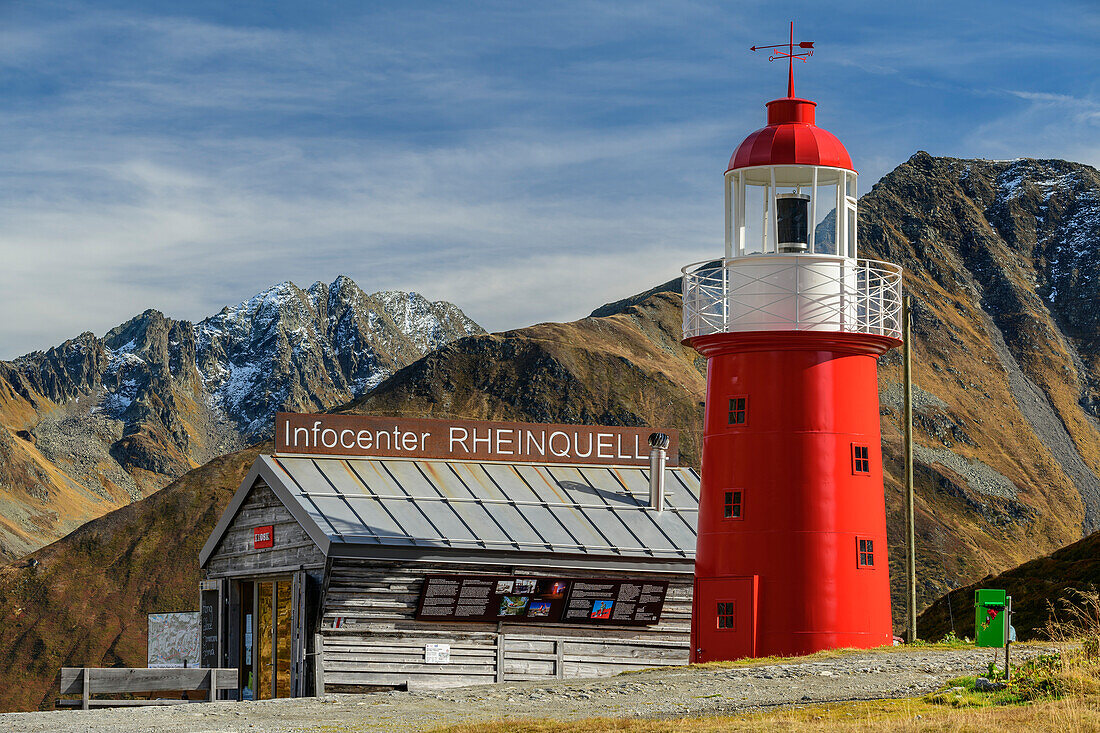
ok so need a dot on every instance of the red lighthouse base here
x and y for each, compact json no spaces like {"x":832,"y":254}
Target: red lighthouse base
{"x":791,"y":555}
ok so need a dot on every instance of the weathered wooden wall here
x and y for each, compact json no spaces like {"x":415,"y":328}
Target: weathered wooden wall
{"x":236,"y":557}
{"x":379,"y":642}
{"x":235,"y":554}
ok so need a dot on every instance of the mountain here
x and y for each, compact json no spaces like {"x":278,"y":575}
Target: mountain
{"x":1034,"y":587}
{"x":1005,"y":350}
{"x":1007,"y":445}
{"x":96,"y":423}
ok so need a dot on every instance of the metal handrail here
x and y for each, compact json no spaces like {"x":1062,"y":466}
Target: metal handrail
{"x":792,"y":292}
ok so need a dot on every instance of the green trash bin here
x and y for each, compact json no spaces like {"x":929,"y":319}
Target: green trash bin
{"x":990,"y":618}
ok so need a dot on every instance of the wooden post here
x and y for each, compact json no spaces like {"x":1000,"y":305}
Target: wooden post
{"x":297,"y":654}
{"x":500,"y":658}
{"x":213,"y":685}
{"x":559,"y":663}
{"x":318,"y":665}
{"x":274,"y":638}
{"x":910,"y":518}
{"x":87,"y":689}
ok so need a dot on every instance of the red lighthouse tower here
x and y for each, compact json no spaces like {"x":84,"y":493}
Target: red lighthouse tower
{"x":791,"y":555}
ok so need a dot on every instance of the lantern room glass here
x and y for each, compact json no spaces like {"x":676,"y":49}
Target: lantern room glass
{"x":760,"y":202}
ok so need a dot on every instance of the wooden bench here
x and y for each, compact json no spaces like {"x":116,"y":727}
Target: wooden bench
{"x":88,"y":681}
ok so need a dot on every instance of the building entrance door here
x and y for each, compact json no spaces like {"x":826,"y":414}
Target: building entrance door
{"x":267,"y":611}
{"x":724,"y":623}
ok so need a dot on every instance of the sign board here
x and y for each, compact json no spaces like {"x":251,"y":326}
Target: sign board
{"x":490,"y":598}
{"x":208,"y":628}
{"x":437,"y":653}
{"x":263,"y":537}
{"x":174,"y":640}
{"x":360,"y":435}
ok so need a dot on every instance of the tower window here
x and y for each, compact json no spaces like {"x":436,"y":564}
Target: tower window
{"x":866,"y":554}
{"x":731,"y":507}
{"x":727,"y":615}
{"x":861,"y":459}
{"x":739,"y":411}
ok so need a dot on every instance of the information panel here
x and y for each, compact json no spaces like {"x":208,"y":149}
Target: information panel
{"x":615,"y":601}
{"x":491,"y":598}
{"x":541,"y":599}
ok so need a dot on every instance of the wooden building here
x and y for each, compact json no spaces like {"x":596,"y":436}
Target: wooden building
{"x":422,"y":567}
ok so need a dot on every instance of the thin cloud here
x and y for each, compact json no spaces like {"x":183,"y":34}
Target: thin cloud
{"x":526,"y":162}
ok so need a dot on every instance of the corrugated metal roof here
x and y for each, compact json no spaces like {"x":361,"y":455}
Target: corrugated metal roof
{"x":587,"y":510}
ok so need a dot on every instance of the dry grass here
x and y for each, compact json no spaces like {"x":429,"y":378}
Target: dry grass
{"x":1070,"y":714}
{"x":1076,"y":617}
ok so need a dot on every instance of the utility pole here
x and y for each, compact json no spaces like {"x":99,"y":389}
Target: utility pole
{"x":910,"y":519}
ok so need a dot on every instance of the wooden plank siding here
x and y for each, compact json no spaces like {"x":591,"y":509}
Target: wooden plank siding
{"x":236,"y":557}
{"x":293,"y":549}
{"x":379,"y":641}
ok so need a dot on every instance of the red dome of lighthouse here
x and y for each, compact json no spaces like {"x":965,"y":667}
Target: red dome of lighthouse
{"x":791,"y":138}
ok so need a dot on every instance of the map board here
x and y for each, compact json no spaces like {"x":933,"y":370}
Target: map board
{"x":174,"y":639}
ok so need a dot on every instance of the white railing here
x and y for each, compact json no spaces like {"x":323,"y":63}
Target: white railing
{"x":792,"y":293}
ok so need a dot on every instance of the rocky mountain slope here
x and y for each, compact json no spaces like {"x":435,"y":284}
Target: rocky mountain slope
{"x":98,"y":422}
{"x":997,"y":259}
{"x":1007,"y":451}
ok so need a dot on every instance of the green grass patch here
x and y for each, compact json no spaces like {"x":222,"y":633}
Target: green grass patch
{"x":1041,"y":678}
{"x":951,"y":641}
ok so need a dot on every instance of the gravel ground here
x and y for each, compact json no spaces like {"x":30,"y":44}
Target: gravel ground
{"x":674,"y":692}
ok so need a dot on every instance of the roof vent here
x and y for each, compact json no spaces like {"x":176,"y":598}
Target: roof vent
{"x":658,"y":445}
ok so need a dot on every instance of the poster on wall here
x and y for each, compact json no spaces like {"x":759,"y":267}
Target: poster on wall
{"x":174,"y":640}
{"x":540,"y":599}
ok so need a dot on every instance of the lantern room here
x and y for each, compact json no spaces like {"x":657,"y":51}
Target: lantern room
{"x":785,"y":186}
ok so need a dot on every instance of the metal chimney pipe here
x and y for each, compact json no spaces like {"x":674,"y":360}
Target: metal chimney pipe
{"x":658,"y":445}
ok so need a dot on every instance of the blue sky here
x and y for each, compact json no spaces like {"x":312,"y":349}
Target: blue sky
{"x":527,"y":161}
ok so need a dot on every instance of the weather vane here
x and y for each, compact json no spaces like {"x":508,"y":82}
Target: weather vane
{"x":778,"y":53}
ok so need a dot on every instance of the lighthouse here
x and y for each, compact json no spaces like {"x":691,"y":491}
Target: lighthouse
{"x":791,"y":550}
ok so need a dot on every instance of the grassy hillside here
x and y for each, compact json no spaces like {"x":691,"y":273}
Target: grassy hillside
{"x":85,"y":603}
{"x":1033,"y":586}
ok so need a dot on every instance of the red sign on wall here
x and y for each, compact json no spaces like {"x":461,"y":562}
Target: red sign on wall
{"x":263,"y":537}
